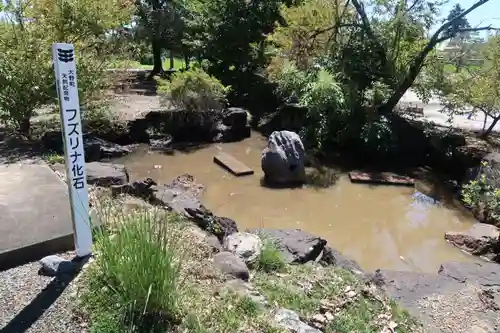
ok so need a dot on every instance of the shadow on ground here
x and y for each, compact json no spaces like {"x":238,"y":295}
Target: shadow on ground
{"x":43,"y":301}
{"x":15,"y":148}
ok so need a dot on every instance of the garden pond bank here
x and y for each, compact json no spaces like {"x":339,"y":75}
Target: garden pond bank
{"x":388,"y":227}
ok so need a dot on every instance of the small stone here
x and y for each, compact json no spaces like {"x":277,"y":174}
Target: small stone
{"x":245,"y":245}
{"x":54,"y":265}
{"x":245,"y":289}
{"x":351,"y":294}
{"x":291,"y":321}
{"x":329,"y":316}
{"x":319,"y":318}
{"x":229,"y":263}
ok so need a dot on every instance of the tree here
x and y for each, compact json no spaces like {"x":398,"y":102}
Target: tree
{"x":388,"y":47}
{"x":28,"y":30}
{"x":478,"y":87}
{"x":457,"y":26}
{"x":373,"y":58}
{"x":229,"y":38}
{"x":407,"y":77}
{"x":161,"y":23}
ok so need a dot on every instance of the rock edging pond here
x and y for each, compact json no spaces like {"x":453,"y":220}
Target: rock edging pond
{"x":163,"y":130}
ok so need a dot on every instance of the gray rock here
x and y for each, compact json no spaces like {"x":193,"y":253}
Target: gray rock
{"x":162,"y":145}
{"x":231,"y":264}
{"x":205,"y":237}
{"x":182,"y":196}
{"x":140,"y":188}
{"x":283,"y":161}
{"x":95,"y":148}
{"x":461,"y":294}
{"x":54,"y":265}
{"x":481,"y":239}
{"x":235,"y":117}
{"x":216,"y":225}
{"x":106,"y":174}
{"x":296,"y":246}
{"x":243,"y":288}
{"x":332,"y":257}
{"x":245,"y":245}
{"x":486,"y":274}
{"x":104,"y":148}
{"x":291,"y":321}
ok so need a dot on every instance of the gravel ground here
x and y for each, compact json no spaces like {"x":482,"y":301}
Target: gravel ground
{"x":33,"y":303}
{"x":462,"y":311}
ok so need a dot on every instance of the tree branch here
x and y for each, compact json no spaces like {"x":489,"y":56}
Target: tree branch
{"x":489,"y":28}
{"x":458,"y":17}
{"x":364,"y":18}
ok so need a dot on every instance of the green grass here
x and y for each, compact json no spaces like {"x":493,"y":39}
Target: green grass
{"x":152,"y":275}
{"x":312,"y":290}
{"x":269,"y":258}
{"x":53,"y":158}
{"x":450,"y":68}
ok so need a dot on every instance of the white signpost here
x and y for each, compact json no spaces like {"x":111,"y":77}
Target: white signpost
{"x":65,"y":70}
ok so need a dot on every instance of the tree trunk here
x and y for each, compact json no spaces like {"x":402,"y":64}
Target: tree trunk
{"x":157,"y":62}
{"x":172,"y":60}
{"x":490,"y":129}
{"x":25,"y":126}
{"x":186,"y":60}
{"x":411,"y":75}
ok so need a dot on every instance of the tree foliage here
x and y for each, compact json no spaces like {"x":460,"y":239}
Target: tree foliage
{"x":373,"y":58}
{"x":478,"y":87}
{"x":26,"y":34}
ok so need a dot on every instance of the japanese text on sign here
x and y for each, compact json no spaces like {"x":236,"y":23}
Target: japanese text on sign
{"x":67,"y":89}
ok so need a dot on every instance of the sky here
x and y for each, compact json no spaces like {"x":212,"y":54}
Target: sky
{"x":485,"y":15}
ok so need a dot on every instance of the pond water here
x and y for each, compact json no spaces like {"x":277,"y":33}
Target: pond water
{"x":387,"y":227}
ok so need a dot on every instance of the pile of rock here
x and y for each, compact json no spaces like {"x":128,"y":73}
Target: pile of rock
{"x":161,"y":129}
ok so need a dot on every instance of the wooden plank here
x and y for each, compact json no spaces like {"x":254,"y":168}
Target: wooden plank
{"x":232,"y":164}
{"x":381,"y":178}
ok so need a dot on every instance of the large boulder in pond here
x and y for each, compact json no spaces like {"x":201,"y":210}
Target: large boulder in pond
{"x":283,"y":161}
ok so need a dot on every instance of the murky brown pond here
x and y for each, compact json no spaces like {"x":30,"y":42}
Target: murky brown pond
{"x":379,"y":226}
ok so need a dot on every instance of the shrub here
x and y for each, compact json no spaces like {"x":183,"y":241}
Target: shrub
{"x":26,"y":77}
{"x":318,"y":91}
{"x":270,"y":259}
{"x":482,"y":195}
{"x":194,"y":90}
{"x":141,"y":263}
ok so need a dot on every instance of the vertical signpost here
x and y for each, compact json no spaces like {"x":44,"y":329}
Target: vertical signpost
{"x":65,"y":70}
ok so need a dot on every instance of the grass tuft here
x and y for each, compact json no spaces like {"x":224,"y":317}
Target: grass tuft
{"x":269,"y":259}
{"x":53,"y":158}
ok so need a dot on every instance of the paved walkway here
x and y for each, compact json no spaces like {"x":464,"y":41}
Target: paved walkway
{"x":35,"y":218}
{"x":433,"y":113}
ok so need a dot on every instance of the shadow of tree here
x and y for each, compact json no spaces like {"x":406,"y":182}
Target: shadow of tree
{"x":14,"y":149}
